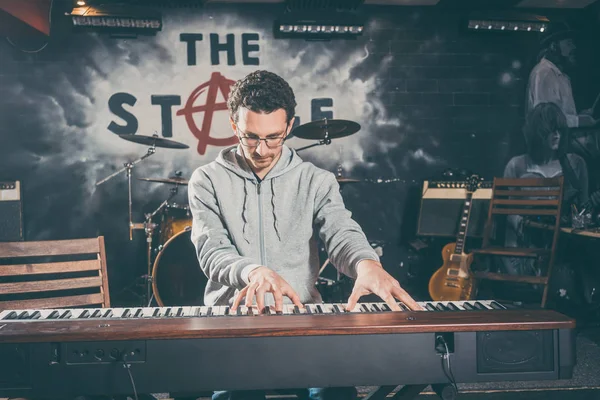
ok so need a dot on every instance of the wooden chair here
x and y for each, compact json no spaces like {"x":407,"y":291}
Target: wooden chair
{"x":53,"y":274}
{"x":528,"y":197}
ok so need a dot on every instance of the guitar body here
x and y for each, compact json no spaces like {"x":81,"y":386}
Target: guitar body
{"x":453,"y":281}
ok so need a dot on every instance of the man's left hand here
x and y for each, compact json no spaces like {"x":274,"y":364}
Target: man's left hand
{"x":372,"y":278}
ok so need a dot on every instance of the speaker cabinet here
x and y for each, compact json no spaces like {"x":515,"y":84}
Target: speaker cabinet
{"x":442,"y":204}
{"x":11,"y":212}
{"x":515,"y":351}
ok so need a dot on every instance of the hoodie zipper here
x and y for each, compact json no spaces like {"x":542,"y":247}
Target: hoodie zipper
{"x":260,"y":226}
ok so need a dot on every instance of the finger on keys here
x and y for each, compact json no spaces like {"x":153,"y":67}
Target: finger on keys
{"x":391,"y":302}
{"x":293,"y":296}
{"x":278,"y":299}
{"x":353,"y":299}
{"x":250,"y":294}
{"x":239,"y":298}
{"x":405,"y":298}
{"x":260,"y":300}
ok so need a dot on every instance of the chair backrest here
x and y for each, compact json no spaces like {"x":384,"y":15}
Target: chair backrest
{"x":532,"y":197}
{"x":53,"y":274}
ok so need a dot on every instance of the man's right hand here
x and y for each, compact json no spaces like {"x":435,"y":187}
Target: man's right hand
{"x":263,"y":280}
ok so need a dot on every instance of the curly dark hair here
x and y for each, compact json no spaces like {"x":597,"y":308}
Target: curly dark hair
{"x":544,"y":119}
{"x":261,"y":91}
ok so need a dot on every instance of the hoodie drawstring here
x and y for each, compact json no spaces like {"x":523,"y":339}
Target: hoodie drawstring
{"x":275,"y":220}
{"x":245,"y":210}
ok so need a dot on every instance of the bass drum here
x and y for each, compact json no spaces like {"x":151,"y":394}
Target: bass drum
{"x":177,"y":279}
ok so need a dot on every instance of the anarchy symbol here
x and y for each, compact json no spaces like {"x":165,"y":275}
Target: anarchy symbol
{"x":216,"y":83}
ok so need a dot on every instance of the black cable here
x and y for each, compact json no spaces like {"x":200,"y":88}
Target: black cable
{"x":446,"y":356}
{"x":126,"y":365}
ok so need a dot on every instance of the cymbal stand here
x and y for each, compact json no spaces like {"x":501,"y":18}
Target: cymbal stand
{"x":128,"y":166}
{"x":325,"y":141}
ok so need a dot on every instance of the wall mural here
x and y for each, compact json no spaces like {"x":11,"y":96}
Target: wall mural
{"x":412,"y":82}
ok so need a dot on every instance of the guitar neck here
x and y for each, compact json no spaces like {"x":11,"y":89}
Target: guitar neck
{"x":463,"y":224}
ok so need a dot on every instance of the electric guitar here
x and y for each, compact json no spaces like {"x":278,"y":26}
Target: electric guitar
{"x":453,"y":281}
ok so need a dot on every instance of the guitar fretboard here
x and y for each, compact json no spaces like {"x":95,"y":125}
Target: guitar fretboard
{"x":463,"y":224}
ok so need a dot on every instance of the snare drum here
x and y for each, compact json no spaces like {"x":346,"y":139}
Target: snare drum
{"x":175,"y":218}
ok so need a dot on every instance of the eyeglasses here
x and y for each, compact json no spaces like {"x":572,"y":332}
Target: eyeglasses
{"x":253,"y":141}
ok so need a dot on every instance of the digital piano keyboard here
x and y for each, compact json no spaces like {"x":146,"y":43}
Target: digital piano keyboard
{"x":71,"y":352}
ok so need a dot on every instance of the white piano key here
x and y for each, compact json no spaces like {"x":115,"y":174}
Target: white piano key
{"x":288,"y":309}
{"x":357,"y":308}
{"x":302,"y":310}
{"x":341,"y":307}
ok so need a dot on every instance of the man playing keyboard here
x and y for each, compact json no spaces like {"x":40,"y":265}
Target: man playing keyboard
{"x":257,"y":210}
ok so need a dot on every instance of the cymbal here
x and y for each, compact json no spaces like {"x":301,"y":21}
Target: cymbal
{"x":326,"y":129}
{"x":154,"y":140}
{"x":346,"y":180}
{"x":176,"y":181}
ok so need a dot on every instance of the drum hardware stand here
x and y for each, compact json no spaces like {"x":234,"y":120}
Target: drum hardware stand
{"x":128,"y":166}
{"x":325,"y":141}
{"x":147,"y":225}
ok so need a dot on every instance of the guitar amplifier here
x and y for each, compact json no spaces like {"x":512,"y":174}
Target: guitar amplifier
{"x":11,"y":212}
{"x":442,"y":203}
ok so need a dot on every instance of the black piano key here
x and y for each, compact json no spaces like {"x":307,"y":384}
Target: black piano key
{"x":66,"y":315}
{"x":126,"y":313}
{"x":179,"y":311}
{"x":296,"y":310}
{"x":108,"y":314}
{"x":497,"y":306}
{"x":441,"y":307}
{"x":250,"y":311}
{"x":385,"y":307}
{"x":23,"y":315}
{"x":480,"y":306}
{"x":84,"y":314}
{"x":226,"y":312}
{"x":168,"y":312}
{"x":404,"y":307}
{"x":209,"y":311}
{"x":468,"y":306}
{"x":336,"y":309}
{"x":198,"y":311}
{"x":138,"y":313}
{"x":95,"y":314}
{"x":319,"y":309}
{"x":54,"y":314}
{"x":430,"y":307}
{"x":36,"y":315}
{"x":308,"y":309}
{"x":453,"y":307}
{"x":11,"y":315}
{"x":239,"y":311}
{"x":376,"y":307}
{"x":156,"y":312}
{"x":364,"y":308}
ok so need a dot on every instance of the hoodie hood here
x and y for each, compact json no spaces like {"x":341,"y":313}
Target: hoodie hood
{"x":233,"y":159}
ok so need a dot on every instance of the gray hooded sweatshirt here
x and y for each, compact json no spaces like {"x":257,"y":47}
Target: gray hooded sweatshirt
{"x":240,"y":223}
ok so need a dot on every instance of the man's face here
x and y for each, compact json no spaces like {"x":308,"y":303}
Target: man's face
{"x":567,"y":50}
{"x":255,"y":125}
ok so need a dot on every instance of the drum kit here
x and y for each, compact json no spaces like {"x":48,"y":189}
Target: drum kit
{"x":174,"y":276}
